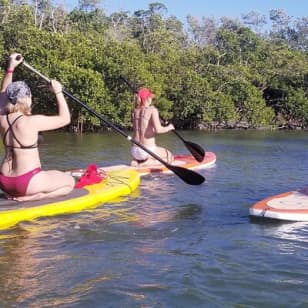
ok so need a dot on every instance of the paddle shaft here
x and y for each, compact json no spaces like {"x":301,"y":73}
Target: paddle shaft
{"x":188,"y":176}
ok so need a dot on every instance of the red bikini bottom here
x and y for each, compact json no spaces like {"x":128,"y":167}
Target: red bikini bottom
{"x":16,"y":186}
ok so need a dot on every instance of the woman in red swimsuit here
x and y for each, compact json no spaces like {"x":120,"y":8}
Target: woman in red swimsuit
{"x":21,"y":176}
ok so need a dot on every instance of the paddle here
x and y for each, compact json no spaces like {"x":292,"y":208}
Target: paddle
{"x":195,"y":149}
{"x":188,"y":176}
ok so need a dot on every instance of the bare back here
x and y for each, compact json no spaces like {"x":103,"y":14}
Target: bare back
{"x":147,"y":125}
{"x":19,"y":159}
{"x":144,"y":126}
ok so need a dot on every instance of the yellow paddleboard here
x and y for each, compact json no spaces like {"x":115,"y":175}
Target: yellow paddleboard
{"x":118,"y":183}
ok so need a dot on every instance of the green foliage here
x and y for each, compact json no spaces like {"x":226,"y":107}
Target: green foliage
{"x":293,"y":108}
{"x":223,"y":110}
{"x":85,"y":21}
{"x":223,"y":74}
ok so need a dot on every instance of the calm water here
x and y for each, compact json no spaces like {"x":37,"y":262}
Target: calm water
{"x":169,"y":244}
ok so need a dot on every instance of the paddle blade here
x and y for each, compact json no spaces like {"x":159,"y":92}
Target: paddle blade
{"x":196,"y":150}
{"x":188,"y":176}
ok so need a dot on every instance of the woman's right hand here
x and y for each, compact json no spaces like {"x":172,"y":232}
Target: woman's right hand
{"x":171,"y":127}
{"x":14,"y":60}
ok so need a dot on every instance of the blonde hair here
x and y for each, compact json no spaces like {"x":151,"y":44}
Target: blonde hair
{"x":21,"y":105}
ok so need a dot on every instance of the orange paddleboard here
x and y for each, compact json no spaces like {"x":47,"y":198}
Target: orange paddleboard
{"x":292,"y":206}
{"x":185,"y":161}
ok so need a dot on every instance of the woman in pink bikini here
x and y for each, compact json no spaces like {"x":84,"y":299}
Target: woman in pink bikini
{"x":146,"y":125}
{"x":21,"y":176}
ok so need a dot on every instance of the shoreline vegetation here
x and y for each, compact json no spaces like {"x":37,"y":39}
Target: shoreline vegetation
{"x":247,"y":73}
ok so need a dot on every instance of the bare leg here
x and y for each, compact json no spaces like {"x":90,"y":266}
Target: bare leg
{"x":48,"y":184}
{"x":29,"y":198}
{"x":163,"y":153}
{"x":41,"y":195}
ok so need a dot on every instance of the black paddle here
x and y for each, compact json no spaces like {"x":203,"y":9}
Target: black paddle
{"x":188,"y":176}
{"x":195,"y":149}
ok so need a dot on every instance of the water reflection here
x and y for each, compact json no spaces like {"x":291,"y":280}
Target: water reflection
{"x":31,"y":262}
{"x":294,"y":232}
{"x":19,"y":267}
{"x":171,"y":245}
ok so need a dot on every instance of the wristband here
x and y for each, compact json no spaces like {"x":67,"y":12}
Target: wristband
{"x":58,"y":92}
{"x":8,"y":71}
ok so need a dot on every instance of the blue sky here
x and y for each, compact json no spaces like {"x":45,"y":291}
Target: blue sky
{"x":208,"y":8}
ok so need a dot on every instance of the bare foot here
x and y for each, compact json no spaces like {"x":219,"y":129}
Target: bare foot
{"x":134,"y":163}
{"x":150,"y":163}
{"x":34,"y":197}
{"x":9,"y":197}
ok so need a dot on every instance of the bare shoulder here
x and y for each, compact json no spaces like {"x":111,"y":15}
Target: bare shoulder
{"x":153,"y":110}
{"x":36,"y":119}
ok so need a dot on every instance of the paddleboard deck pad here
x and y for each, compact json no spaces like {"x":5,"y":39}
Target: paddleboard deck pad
{"x":291,"y":206}
{"x":185,"y":161}
{"x":117,"y":184}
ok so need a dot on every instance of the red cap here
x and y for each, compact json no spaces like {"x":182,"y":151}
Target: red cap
{"x":144,"y":94}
